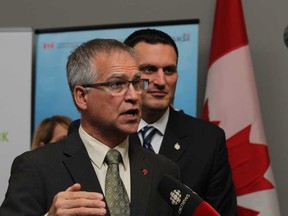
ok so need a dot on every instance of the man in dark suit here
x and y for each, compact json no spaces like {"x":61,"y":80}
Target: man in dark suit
{"x":197,"y":146}
{"x":68,"y":177}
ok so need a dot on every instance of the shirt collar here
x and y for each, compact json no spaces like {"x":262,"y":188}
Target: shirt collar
{"x":98,"y":150}
{"x":160,"y":124}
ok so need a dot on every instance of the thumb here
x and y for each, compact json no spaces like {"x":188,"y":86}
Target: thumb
{"x":75,"y":187}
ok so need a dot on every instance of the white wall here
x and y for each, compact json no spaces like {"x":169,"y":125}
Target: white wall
{"x":15,"y":98}
{"x":265,"y":20}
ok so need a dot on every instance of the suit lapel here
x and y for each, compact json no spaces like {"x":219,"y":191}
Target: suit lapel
{"x":141,"y":179}
{"x":79,"y":165}
{"x":134,"y":138}
{"x":173,"y":144}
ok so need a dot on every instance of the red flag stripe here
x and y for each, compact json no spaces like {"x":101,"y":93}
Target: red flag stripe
{"x":229,"y":31}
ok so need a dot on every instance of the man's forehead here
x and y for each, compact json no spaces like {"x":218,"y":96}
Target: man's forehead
{"x":124,"y":73}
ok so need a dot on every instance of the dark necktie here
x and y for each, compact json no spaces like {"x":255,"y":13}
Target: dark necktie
{"x":147,"y":133}
{"x":115,"y":192}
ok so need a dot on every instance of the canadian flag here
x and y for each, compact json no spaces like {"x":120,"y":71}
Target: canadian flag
{"x":231,"y":102}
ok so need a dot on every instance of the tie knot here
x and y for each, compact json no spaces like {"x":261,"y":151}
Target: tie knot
{"x":147,"y":133}
{"x":113,"y":156}
{"x":148,"y":130}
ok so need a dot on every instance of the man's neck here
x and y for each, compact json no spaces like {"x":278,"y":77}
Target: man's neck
{"x":108,"y":138}
{"x":151,"y":116}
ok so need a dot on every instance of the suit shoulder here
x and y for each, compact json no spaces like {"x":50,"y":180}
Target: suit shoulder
{"x":42,"y":154}
{"x":193,"y":122}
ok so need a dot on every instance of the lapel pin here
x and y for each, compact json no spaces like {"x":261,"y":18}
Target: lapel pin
{"x":145,"y":171}
{"x":177,"y":146}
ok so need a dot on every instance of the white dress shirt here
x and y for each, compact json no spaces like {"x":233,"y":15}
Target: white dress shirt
{"x":158,"y":137}
{"x":97,"y":152}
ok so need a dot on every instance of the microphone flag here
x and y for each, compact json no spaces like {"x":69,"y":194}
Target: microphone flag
{"x":183,"y":200}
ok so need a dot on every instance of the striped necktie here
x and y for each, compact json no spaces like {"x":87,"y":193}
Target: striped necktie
{"x":147,"y":133}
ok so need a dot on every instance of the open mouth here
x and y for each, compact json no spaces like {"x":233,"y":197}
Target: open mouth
{"x":132,"y":112}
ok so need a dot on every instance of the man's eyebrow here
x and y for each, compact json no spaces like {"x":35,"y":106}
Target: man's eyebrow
{"x":173,"y":67}
{"x":154,"y":67}
{"x":148,"y":66}
{"x":137,"y":75}
{"x":117,"y":75}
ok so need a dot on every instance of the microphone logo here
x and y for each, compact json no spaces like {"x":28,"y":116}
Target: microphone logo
{"x":175,"y":197}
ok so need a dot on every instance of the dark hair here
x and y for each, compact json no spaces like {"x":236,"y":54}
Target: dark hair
{"x":151,"y":36}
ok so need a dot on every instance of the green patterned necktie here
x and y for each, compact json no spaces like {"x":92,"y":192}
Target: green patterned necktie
{"x":115,"y":192}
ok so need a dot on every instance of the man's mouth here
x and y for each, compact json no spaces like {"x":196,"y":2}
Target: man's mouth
{"x":132,"y":112}
{"x":158,"y":93}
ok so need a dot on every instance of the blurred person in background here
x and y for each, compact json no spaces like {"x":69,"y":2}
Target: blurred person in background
{"x":50,"y":130}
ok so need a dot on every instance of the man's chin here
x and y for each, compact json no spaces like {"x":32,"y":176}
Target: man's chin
{"x":130,"y":128}
{"x":157,"y":107}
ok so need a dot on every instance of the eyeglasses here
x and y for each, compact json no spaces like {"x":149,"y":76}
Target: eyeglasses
{"x":120,"y":87}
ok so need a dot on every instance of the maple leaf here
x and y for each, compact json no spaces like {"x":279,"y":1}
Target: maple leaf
{"x":247,"y":212}
{"x":249,"y":162}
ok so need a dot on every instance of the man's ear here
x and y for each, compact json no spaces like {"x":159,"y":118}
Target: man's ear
{"x":79,"y":94}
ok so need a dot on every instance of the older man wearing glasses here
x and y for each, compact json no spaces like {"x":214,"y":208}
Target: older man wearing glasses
{"x":95,"y":170}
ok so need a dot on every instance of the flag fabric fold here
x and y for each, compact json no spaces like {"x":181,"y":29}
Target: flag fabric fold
{"x":231,"y":102}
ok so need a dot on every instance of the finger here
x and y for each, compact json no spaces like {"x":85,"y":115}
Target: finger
{"x":73,"y":192}
{"x":83,"y":195}
{"x":75,"y":187}
{"x":88,"y":203}
{"x":84,"y":211}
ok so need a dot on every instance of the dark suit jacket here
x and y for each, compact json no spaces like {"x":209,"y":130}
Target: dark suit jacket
{"x":202,"y":158}
{"x":38,"y":175}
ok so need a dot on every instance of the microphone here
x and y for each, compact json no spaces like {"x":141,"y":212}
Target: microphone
{"x":286,"y":36}
{"x":183,"y":200}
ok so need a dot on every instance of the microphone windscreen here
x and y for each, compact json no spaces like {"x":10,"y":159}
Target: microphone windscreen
{"x":182,"y":199}
{"x":205,"y":209}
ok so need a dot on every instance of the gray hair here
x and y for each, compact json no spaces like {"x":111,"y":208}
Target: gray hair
{"x":80,"y":65}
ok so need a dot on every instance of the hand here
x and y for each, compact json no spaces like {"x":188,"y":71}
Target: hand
{"x":76,"y":202}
